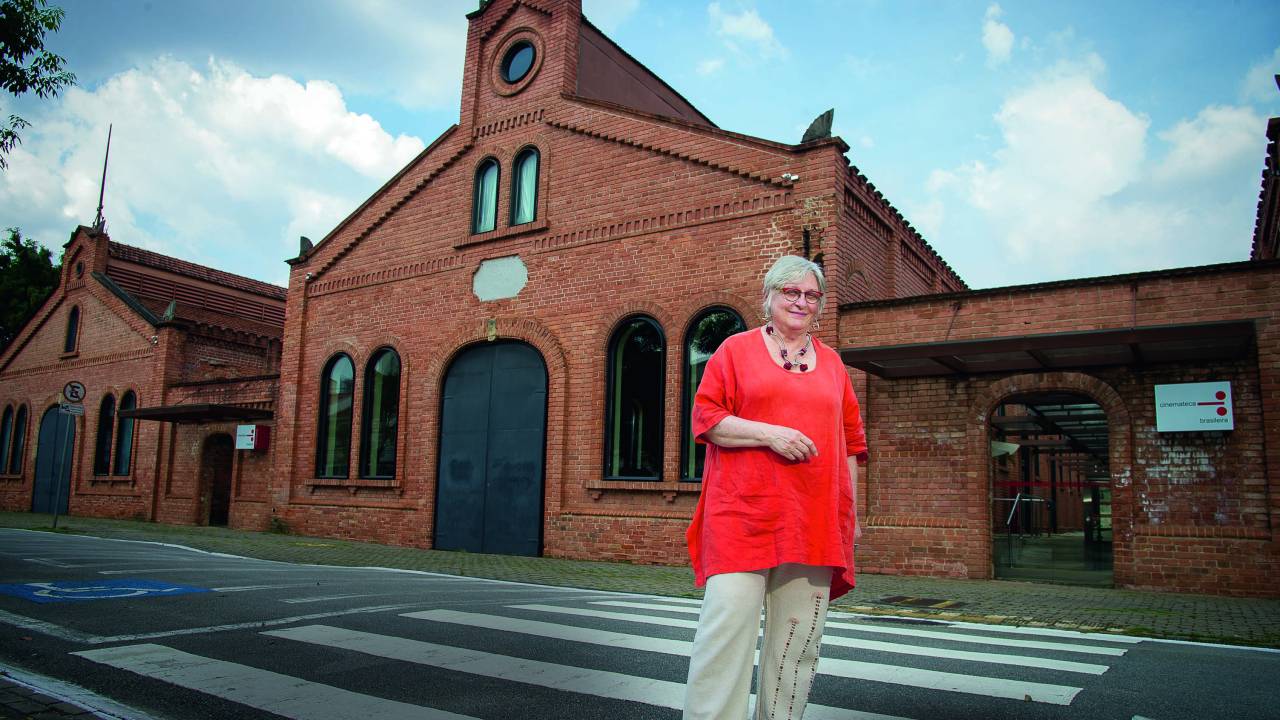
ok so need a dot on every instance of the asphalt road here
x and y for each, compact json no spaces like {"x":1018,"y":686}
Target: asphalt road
{"x":176,"y":634}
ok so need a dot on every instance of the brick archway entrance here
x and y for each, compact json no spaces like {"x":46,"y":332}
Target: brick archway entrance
{"x":215,"y":479}
{"x":1057,"y":449}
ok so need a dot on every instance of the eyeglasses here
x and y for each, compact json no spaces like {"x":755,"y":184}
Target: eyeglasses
{"x":793,"y":294}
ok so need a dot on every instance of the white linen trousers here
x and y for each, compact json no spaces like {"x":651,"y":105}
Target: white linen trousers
{"x":794,"y":598}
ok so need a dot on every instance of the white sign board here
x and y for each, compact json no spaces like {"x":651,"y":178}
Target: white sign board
{"x":1194,"y":407}
{"x":252,"y":437}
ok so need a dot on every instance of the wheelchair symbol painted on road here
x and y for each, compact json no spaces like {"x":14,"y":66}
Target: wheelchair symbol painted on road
{"x":69,"y":591}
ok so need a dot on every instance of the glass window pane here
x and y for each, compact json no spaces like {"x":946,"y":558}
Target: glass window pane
{"x":333,"y":448}
{"x":73,"y":330}
{"x":524,"y":194}
{"x":705,"y":335}
{"x":636,"y":369}
{"x":517,"y":62}
{"x":381,"y":416}
{"x":124,"y":437}
{"x":19,"y":441}
{"x":485,"y":216}
{"x":6,"y":435}
{"x":106,"y":423}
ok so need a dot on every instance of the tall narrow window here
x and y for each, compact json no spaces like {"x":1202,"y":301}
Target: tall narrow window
{"x":333,"y":440}
{"x":106,"y":423}
{"x":637,"y":360}
{"x":6,"y":437}
{"x":124,"y":437}
{"x":380,"y":415}
{"x":70,"y":343}
{"x":484,"y":212}
{"x":706,"y":333}
{"x":19,"y":441}
{"x":524,"y":187}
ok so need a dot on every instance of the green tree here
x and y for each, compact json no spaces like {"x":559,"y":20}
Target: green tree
{"x":27,"y":276}
{"x":25,"y":66}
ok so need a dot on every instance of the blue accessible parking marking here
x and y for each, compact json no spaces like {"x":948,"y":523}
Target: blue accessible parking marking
{"x":69,"y":590}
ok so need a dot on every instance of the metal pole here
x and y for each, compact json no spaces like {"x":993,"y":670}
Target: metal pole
{"x":62,"y":467}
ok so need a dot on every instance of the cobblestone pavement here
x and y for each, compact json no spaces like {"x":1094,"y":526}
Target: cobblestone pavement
{"x":1162,"y":615}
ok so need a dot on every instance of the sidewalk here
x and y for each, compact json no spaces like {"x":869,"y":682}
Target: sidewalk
{"x":1204,"y":618}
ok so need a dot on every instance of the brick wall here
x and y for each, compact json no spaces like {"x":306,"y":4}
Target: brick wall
{"x":1190,"y":511}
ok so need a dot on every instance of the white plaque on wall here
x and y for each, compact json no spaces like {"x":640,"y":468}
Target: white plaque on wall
{"x":1194,"y":407}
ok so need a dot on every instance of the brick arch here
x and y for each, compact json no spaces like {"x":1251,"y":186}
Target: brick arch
{"x":425,"y":437}
{"x":704,"y":301}
{"x":1119,"y":440}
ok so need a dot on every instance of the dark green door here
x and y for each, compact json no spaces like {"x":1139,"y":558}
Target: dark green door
{"x":489,"y":487}
{"x":54,"y":453}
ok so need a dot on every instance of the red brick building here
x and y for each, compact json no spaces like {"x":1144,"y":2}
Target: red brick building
{"x":496,"y":352}
{"x":148,"y":338}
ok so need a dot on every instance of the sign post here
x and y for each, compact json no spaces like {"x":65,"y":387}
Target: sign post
{"x":72,"y":395}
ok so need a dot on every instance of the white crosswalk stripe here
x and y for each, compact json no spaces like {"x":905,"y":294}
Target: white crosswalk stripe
{"x":262,"y":689}
{"x":619,"y":624}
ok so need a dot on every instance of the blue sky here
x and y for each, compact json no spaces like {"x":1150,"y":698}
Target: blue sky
{"x":1027,"y":141}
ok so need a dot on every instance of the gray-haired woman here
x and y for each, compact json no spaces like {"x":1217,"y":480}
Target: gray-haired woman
{"x":775,"y":524}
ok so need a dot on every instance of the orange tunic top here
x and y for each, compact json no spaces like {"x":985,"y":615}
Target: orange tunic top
{"x":759,"y":510}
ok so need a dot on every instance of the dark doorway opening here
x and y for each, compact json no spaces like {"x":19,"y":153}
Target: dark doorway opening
{"x":1051,"y":490}
{"x":215,"y":479}
{"x":55,"y":454}
{"x":489,"y":489}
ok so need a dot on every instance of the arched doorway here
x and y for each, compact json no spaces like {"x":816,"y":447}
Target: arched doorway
{"x":55,"y":453}
{"x":215,"y":479}
{"x":1051,"y":489}
{"x":489,"y":486}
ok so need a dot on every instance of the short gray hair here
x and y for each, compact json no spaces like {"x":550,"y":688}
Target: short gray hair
{"x":789,"y":269}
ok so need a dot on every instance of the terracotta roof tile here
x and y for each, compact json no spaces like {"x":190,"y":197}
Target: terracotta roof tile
{"x":192,"y":270}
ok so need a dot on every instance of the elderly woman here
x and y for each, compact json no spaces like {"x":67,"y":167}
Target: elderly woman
{"x":775,"y":524}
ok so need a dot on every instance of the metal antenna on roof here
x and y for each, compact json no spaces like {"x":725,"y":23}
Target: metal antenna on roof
{"x":99,"y":222}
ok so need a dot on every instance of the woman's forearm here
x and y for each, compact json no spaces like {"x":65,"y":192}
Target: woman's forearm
{"x":734,"y":431}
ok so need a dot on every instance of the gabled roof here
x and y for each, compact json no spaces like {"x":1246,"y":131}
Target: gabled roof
{"x":192,"y":270}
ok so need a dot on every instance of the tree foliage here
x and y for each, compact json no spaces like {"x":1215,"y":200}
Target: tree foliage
{"x":27,"y":276}
{"x":25,"y":66}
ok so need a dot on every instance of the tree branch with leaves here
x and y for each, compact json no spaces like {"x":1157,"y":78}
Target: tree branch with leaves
{"x":25,"y":64}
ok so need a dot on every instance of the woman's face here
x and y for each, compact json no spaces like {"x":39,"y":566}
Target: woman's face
{"x":794,"y":316}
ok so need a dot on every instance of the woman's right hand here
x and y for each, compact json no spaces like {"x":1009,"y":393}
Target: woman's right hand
{"x":790,"y":443}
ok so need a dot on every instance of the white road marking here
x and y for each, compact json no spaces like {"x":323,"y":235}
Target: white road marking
{"x":52,"y":563}
{"x":326,"y":598}
{"x":842,"y":641}
{"x":898,"y":675}
{"x":283,"y":695}
{"x":249,"y":588}
{"x":139,"y":571}
{"x":912,"y":632}
{"x":1012,"y":629}
{"x":600,"y":683}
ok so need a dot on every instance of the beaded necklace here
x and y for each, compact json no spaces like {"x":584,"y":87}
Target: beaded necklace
{"x":787,"y":364}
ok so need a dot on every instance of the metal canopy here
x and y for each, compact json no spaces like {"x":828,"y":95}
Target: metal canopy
{"x":201,"y":413}
{"x":1196,"y":342}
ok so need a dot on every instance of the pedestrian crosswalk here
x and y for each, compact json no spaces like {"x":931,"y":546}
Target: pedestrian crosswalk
{"x":552,"y":647}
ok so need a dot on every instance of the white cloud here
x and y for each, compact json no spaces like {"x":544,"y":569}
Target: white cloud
{"x":745,"y":28}
{"x":997,"y":38}
{"x":1073,"y":188}
{"x":609,"y":15}
{"x":215,"y":166}
{"x":1219,"y":137}
{"x":710,"y":66}
{"x":1260,"y":83}
{"x":419,"y":49}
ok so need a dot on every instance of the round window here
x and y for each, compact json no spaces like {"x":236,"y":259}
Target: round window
{"x":517,"y":62}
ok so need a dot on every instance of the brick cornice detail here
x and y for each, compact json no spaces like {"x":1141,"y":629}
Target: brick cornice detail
{"x":1211,"y":532}
{"x":81,"y":363}
{"x":668,"y":151}
{"x":401,"y":272}
{"x":691,"y":217}
{"x":392,"y":210}
{"x":514,"y":122}
{"x":916,"y":521}
{"x":488,"y":30}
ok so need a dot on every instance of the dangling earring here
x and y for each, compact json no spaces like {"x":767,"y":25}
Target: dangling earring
{"x":817,"y":325}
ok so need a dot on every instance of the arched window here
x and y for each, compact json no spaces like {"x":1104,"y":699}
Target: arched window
{"x":333,"y":438}
{"x":71,"y":342}
{"x":19,"y":441}
{"x":633,"y":431}
{"x":484,"y":211}
{"x":106,"y":423}
{"x":124,"y":436}
{"x":706,"y":333}
{"x":524,"y":187}
{"x":6,"y":437}
{"x":380,"y":415}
